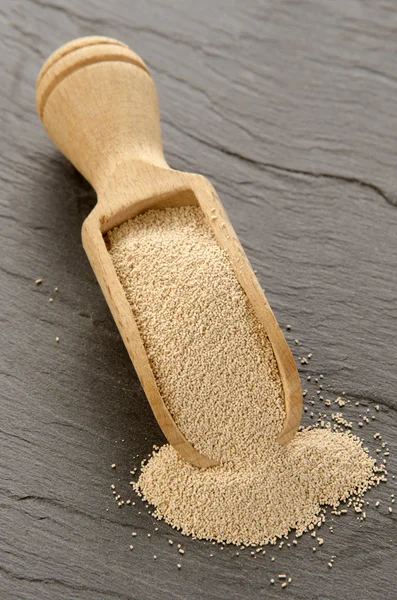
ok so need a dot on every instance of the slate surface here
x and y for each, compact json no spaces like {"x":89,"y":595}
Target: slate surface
{"x":289,"y":108}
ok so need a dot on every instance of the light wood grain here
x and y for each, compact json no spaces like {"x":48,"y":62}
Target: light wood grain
{"x":308,"y":88}
{"x":98,"y":104}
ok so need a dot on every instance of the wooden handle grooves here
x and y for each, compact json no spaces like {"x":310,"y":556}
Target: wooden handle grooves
{"x":98,"y":103}
{"x":75,"y":55}
{"x":73,"y":45}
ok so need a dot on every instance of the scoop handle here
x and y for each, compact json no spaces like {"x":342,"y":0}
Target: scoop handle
{"x":98,"y":103}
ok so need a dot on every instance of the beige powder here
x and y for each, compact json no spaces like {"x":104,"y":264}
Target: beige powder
{"x":217,"y":373}
{"x":258,"y":501}
{"x":212,"y":360}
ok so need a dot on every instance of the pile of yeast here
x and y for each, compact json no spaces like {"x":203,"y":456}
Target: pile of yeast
{"x":217,"y":373}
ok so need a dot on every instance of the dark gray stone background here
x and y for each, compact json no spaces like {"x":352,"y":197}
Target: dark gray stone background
{"x":290,"y":109}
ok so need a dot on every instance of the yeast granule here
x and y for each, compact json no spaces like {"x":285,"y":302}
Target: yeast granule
{"x":217,"y":374}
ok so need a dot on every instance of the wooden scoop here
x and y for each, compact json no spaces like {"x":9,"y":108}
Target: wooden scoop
{"x":98,"y":104}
